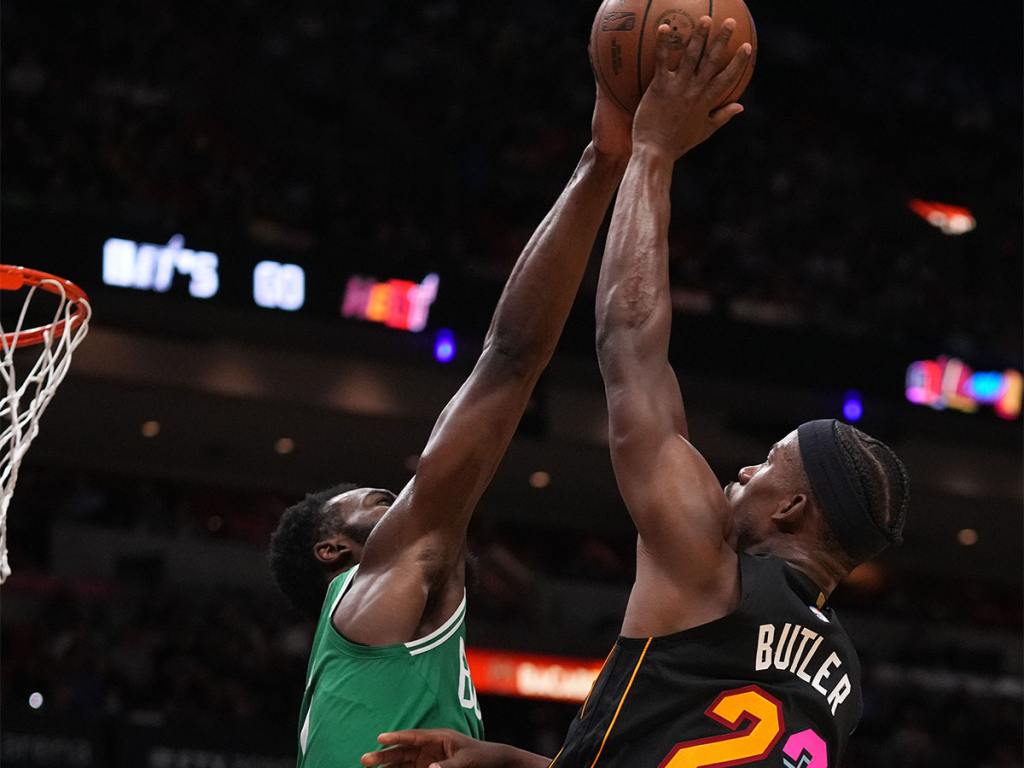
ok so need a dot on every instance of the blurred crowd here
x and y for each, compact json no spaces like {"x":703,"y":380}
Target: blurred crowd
{"x":436,"y":136}
{"x":941,"y":655}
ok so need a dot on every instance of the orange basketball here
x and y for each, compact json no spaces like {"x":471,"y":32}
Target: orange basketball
{"x":625,"y":31}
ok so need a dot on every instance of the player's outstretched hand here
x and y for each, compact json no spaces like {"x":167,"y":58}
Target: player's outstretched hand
{"x":436,"y":748}
{"x":681,"y":106}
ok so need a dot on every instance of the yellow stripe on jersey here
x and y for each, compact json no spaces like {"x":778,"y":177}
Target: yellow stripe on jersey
{"x":621,"y":702}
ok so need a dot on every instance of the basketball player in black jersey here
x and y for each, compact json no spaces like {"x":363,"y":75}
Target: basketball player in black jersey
{"x":730,"y":653}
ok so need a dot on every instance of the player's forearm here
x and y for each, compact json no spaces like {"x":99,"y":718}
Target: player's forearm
{"x":539,"y":293}
{"x":634,"y":312}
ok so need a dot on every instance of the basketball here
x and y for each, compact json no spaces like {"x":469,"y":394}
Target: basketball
{"x":623,"y":37}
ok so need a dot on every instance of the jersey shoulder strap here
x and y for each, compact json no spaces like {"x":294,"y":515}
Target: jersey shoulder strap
{"x":336,"y":591}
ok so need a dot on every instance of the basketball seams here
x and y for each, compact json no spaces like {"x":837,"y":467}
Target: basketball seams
{"x":640,"y":54}
{"x":711,"y":14}
{"x":596,"y":60}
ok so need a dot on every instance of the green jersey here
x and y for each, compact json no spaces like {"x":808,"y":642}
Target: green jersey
{"x":354,"y":692}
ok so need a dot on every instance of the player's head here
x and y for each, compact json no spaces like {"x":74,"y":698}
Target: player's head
{"x":825,"y":487}
{"x":322,"y":536}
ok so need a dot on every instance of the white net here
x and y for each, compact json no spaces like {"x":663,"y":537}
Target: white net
{"x":24,"y":398}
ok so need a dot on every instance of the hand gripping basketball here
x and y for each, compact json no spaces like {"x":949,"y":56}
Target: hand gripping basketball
{"x":680,"y":108}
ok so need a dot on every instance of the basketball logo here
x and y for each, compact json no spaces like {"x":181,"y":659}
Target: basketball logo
{"x":681,"y":23}
{"x":618,"y":21}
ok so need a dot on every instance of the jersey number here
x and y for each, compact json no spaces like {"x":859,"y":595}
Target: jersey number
{"x":467,"y":693}
{"x":764,"y":726}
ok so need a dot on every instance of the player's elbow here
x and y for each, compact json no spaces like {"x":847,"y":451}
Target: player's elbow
{"x":512,"y":358}
{"x":631,"y":307}
{"x":619,"y":355}
{"x":628,"y":339}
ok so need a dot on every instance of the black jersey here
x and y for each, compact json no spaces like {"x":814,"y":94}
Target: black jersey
{"x":775,"y":683}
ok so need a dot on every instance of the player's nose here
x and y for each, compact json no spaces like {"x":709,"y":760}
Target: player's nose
{"x":745,"y":474}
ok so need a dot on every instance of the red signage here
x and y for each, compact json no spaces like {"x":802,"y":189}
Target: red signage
{"x":530,"y":676}
{"x":950,"y":219}
{"x":400,"y":304}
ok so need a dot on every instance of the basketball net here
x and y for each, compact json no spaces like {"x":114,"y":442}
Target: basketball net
{"x":23,"y":399}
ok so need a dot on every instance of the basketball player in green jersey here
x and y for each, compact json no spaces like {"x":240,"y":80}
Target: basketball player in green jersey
{"x":385,"y":574}
{"x":730,"y":653}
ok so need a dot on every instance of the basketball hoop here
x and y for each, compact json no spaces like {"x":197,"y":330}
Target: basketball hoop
{"x":22,"y":403}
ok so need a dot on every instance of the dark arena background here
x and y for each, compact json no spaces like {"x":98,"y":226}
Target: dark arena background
{"x":850,"y":247}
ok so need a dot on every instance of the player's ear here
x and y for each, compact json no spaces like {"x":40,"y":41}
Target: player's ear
{"x":332,"y":549}
{"x":791,"y":511}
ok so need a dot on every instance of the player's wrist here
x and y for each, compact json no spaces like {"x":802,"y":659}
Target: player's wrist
{"x":603,"y":163}
{"x":652,"y":155}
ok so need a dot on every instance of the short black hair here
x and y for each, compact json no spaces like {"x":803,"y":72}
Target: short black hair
{"x":884,"y":480}
{"x":292,"y":562}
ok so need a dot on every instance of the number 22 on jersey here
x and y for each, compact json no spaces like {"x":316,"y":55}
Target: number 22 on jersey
{"x":765,"y":725}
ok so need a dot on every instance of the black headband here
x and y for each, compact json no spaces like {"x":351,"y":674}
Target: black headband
{"x":841,"y":495}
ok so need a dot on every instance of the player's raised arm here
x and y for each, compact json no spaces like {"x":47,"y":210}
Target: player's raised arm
{"x":672,"y":495}
{"x":417,"y":548}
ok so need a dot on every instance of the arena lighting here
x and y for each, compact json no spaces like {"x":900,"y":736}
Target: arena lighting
{"x":853,"y":406}
{"x":529,"y":676}
{"x":35,"y":700}
{"x":949,"y":383}
{"x":540,"y":479}
{"x":279,"y":286}
{"x":150,"y":428}
{"x":398,"y":304}
{"x":967,"y":537}
{"x":152,"y":267}
{"x":284,"y":446}
{"x":444,"y":346}
{"x":950,"y":219}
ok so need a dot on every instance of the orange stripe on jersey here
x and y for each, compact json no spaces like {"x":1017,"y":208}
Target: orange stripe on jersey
{"x":583,"y":709}
{"x":621,"y":702}
{"x":552,"y":763}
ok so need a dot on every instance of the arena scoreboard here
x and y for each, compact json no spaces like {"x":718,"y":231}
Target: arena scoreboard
{"x":174,"y":267}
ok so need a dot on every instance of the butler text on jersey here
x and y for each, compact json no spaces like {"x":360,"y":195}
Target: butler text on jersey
{"x":798,"y":649}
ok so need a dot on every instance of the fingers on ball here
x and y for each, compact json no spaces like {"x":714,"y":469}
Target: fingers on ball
{"x":725,"y":81}
{"x":716,"y":57}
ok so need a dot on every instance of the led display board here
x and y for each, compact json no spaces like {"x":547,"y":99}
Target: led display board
{"x":950,"y":383}
{"x":277,"y":285}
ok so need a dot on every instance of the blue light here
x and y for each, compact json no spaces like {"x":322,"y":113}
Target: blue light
{"x":986,"y":386}
{"x":853,"y":407}
{"x":444,"y":346}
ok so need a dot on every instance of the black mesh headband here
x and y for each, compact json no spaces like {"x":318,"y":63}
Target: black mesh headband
{"x":836,"y":485}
